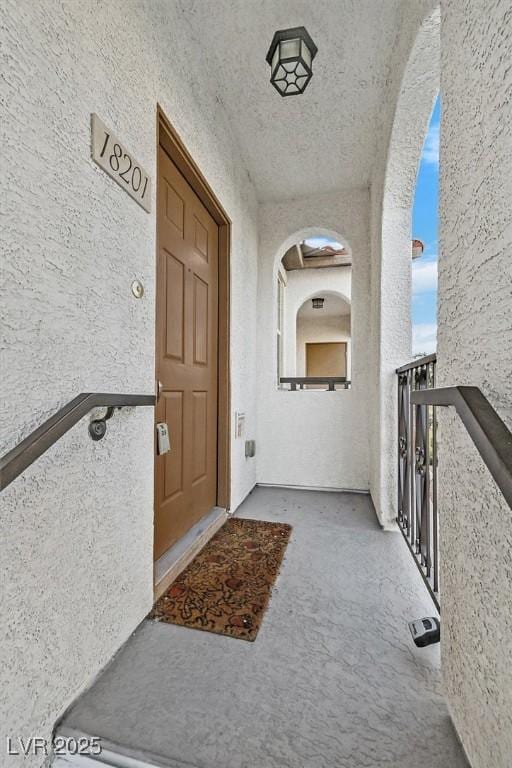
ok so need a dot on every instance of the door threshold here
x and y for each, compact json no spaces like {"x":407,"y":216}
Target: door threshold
{"x":169,"y":565}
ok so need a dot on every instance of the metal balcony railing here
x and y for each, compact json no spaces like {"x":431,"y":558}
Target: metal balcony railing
{"x":316,"y":382}
{"x":418,"y":399}
{"x":417,"y":470}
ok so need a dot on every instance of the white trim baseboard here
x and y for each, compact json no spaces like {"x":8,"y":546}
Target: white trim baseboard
{"x":327,"y":489}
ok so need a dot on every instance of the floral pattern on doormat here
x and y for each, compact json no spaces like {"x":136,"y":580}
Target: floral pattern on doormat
{"x":226,"y":588}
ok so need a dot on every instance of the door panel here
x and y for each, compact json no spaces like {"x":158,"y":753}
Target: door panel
{"x":186,"y":356}
{"x":173,"y":404}
{"x":326,"y":358}
{"x":174,"y":207}
{"x":200,"y":322}
{"x":175,"y":304}
{"x":201,"y":238}
{"x":200,"y":432}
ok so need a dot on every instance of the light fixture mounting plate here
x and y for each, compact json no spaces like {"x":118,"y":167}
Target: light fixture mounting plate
{"x":291,"y":34}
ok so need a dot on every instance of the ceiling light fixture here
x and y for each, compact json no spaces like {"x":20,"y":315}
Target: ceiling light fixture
{"x":291,"y":57}
{"x":318,"y":303}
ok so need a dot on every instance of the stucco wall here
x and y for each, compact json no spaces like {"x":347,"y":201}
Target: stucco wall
{"x":314,"y":438}
{"x":76,"y":528}
{"x":475,"y":348}
{"x":413,"y":85}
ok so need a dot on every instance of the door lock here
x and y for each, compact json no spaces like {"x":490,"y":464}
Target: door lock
{"x":162,"y":438}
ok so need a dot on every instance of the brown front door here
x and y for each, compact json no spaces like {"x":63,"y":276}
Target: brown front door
{"x":326,"y":358}
{"x":186,"y":355}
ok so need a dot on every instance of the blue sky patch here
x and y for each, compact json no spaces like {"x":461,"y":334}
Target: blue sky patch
{"x":425,"y":227}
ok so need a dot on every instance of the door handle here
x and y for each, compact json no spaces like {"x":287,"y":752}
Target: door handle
{"x":162,"y":434}
{"x":159,"y":389}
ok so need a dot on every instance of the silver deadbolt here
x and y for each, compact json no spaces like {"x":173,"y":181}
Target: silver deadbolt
{"x":162,"y":438}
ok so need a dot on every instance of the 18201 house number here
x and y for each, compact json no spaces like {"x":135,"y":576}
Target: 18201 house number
{"x":111,"y":155}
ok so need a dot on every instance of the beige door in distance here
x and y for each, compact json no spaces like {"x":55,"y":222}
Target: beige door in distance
{"x":186,"y":356}
{"x":326,"y":358}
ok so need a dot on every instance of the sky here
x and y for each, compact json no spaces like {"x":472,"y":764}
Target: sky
{"x":318,"y":242}
{"x":425,"y":228}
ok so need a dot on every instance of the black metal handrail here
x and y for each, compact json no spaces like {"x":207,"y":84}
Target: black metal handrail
{"x":418,"y":399}
{"x":490,"y":434}
{"x":331,"y":382}
{"x":418,"y":363}
{"x":15,"y":461}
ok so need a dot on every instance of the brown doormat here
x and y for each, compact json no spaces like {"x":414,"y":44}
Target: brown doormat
{"x":227,"y":587}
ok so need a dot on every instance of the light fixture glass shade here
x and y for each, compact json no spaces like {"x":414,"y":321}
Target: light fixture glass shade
{"x":290,"y":57}
{"x":289,"y":49}
{"x":318,"y":303}
{"x":306,"y":54}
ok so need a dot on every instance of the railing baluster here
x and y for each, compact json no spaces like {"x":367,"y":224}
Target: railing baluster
{"x":417,"y":470}
{"x":435,"y":522}
{"x":413,"y":537}
{"x":422,"y":473}
{"x":401,"y":447}
{"x":410,"y":464}
{"x":427,"y":510}
{"x":403,"y":453}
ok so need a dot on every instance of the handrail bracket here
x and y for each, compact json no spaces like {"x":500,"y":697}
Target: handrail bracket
{"x":98,"y":427}
{"x":15,"y":461}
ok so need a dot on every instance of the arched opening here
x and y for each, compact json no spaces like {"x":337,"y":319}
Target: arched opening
{"x":313,"y":437}
{"x":313,"y":318}
{"x":393,"y":192}
{"x":323,"y":337}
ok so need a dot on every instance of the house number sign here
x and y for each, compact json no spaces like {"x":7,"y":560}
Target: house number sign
{"x":112,"y":156}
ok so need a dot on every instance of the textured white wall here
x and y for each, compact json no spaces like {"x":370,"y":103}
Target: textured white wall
{"x":300,"y":286}
{"x":475,"y":348}
{"x":412,"y":86}
{"x":314,"y":438}
{"x":76,"y":528}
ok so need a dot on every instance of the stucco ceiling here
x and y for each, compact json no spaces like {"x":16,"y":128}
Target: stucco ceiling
{"x":325,"y":138}
{"x":334,"y":306}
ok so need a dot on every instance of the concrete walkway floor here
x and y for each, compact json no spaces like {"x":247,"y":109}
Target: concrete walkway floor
{"x":333,"y":679}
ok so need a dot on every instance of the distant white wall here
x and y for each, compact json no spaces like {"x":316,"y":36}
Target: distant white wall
{"x":314,"y":438}
{"x":475,"y":348}
{"x":77,"y":528}
{"x":329,"y":329}
{"x":301,"y":285}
